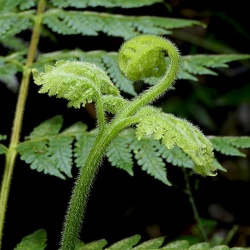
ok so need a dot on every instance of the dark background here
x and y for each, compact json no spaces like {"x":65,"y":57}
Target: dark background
{"x":120,"y":205}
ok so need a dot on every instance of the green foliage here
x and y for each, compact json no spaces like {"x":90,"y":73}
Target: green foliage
{"x":77,"y":78}
{"x":203,"y":64}
{"x":91,"y":23}
{"x":103,"y":3}
{"x":229,"y":145}
{"x":190,"y":66}
{"x":12,"y":24}
{"x":119,"y":154}
{"x":3,"y":149}
{"x":149,"y":159}
{"x":34,"y":241}
{"x":47,"y":150}
{"x":37,"y":241}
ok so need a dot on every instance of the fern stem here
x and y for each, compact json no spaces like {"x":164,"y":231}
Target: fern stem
{"x":19,"y":112}
{"x":81,"y":191}
{"x":194,"y":208}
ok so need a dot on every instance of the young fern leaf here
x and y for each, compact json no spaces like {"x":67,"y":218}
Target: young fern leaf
{"x":76,"y":82}
{"x":175,"y":131}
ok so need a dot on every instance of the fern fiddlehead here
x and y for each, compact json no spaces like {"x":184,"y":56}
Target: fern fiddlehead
{"x":143,"y":57}
{"x":140,"y":57}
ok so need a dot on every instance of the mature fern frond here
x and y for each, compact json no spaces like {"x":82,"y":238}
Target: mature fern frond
{"x":48,"y":151}
{"x":202,"y":64}
{"x":95,"y":245}
{"x":155,"y":243}
{"x":148,"y":157}
{"x":76,"y":82}
{"x":3,"y":149}
{"x":6,"y":5}
{"x":119,"y":154}
{"x":14,"y":23}
{"x":36,"y":240}
{"x":229,"y":145}
{"x":61,"y":153}
{"x":9,"y":67}
{"x":103,"y":3}
{"x":91,"y":23}
{"x":126,"y":243}
{"x":14,"y":43}
{"x":27,"y":4}
{"x":83,"y":145}
{"x":175,"y":131}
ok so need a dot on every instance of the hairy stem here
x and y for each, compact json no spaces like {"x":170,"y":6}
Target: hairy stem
{"x":81,"y":191}
{"x":17,"y":123}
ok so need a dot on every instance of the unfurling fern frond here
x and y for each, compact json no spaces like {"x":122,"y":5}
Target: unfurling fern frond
{"x":229,"y":145}
{"x":175,"y":131}
{"x":103,"y":3}
{"x":75,"y":81}
{"x":91,"y":23}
